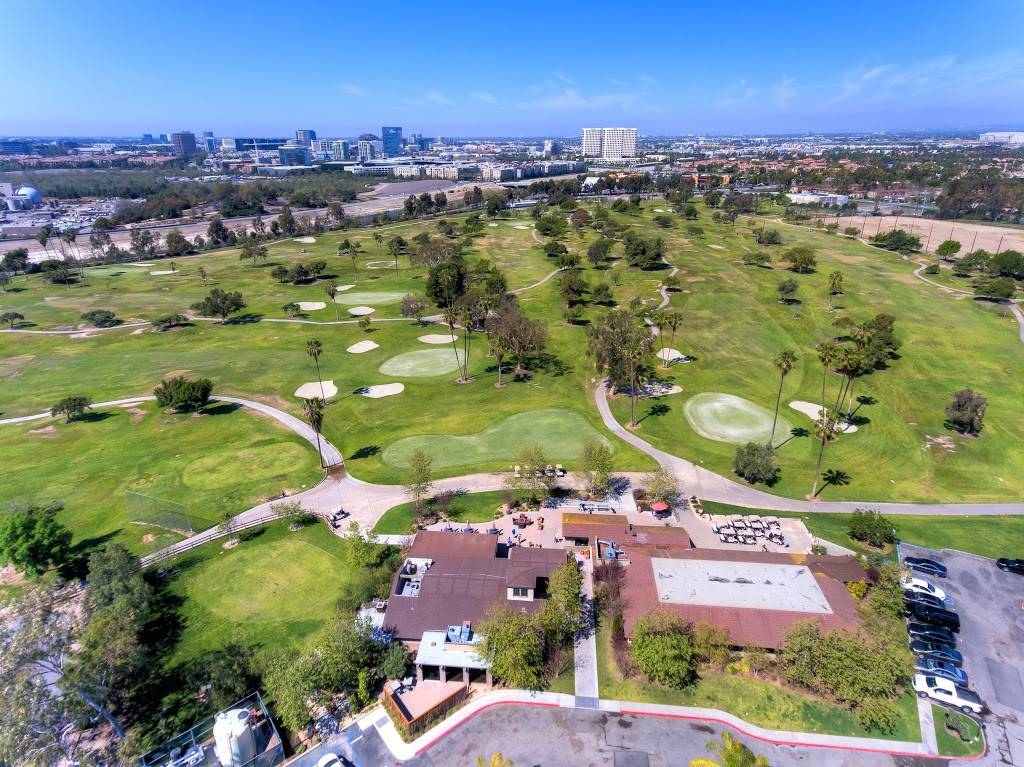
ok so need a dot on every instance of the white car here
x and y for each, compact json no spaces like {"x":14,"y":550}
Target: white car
{"x":921,"y":586}
{"x":944,"y":691}
{"x":330,"y":760}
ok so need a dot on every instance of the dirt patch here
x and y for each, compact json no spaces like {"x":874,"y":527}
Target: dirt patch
{"x":943,"y":442}
{"x":148,"y":538}
{"x":11,"y":577}
{"x":44,"y":430}
{"x":696,"y":278}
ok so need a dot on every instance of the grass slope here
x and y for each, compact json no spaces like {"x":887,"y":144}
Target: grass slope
{"x":226,"y":459}
{"x":472,"y":507}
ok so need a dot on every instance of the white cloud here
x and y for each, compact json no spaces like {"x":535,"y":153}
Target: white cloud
{"x":564,"y":78}
{"x":351,"y":89}
{"x":432,"y":96}
{"x":484,"y":96}
{"x":646,"y":78}
{"x":570,"y":98}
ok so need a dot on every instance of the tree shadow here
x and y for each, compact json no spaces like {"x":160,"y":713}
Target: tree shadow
{"x":799,"y":431}
{"x":366,"y":451}
{"x":252,"y":533}
{"x":550,"y":364}
{"x":221,"y":408}
{"x":833,"y":477}
{"x":77,"y":564}
{"x":244,"y":319}
{"x":94,"y":416}
{"x":656,"y":410}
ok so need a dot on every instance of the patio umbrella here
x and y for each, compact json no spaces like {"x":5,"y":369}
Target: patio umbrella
{"x":659,"y":506}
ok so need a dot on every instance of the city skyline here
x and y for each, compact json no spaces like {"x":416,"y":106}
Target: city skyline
{"x":781,"y":71}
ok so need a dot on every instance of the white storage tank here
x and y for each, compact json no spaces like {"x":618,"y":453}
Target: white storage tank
{"x":233,"y":738}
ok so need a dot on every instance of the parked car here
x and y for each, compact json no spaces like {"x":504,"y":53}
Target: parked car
{"x":945,"y":691}
{"x":941,"y":669}
{"x":1011,"y":565}
{"x":332,"y":760}
{"x":938,"y":651}
{"x":916,"y":597}
{"x":929,"y":633}
{"x":922,"y":586}
{"x":928,"y":566}
{"x":936,"y":616}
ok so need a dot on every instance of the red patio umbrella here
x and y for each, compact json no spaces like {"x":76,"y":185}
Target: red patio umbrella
{"x":659,"y":506}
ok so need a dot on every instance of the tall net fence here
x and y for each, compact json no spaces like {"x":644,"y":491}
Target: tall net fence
{"x":158,"y":512}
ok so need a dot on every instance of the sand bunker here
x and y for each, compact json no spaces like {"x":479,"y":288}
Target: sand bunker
{"x":672,"y":355}
{"x":437,"y":338}
{"x":362,"y":347}
{"x":521,"y":226}
{"x":370,"y":298}
{"x":306,"y":240}
{"x":382,"y":390}
{"x":813,"y":412}
{"x":378,"y":264}
{"x":342,"y":288}
{"x":361,"y":311}
{"x":164,"y":271}
{"x":728,"y":418}
{"x":429,"y":362}
{"x":492,"y":224}
{"x":310,"y":306}
{"x":312,"y":390}
{"x":138,"y":263}
{"x":660,"y":210}
{"x":717,"y":247}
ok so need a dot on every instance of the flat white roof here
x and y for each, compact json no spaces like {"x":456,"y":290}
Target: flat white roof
{"x":738,"y":585}
{"x":436,"y":650}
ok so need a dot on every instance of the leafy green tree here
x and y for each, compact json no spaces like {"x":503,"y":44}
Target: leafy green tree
{"x":563,"y":610}
{"x":947,"y":249}
{"x":72,"y":408}
{"x":33,"y":541}
{"x":101,"y":318}
{"x":621,"y":351}
{"x":413,"y":306}
{"x":661,"y":485}
{"x":514,"y":644}
{"x":662,"y":649}
{"x":176,"y":243}
{"x":395,"y":662}
{"x":11,"y":318}
{"x":966,"y":413}
{"x":898,"y":240}
{"x":870,"y":526}
{"x":755,"y":462}
{"x":280,"y":273}
{"x":183,"y":394}
{"x":115,"y":579}
{"x":768,"y":237}
{"x":787,"y":290}
{"x":596,"y":465}
{"x":170,"y":321}
{"x":996,"y":288}
{"x":800,"y":259}
{"x":533,"y":460}
{"x":252,"y":250}
{"x":220,"y":303}
{"x":835,"y":286}
{"x":417,"y":479}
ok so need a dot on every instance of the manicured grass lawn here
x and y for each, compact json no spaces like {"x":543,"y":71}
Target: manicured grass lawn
{"x":224,"y":460}
{"x":276,"y":589}
{"x":950,"y":743}
{"x":986,"y":536}
{"x":472,"y":507}
{"x":566,"y":681}
{"x":756,"y":701}
{"x":733,"y":325}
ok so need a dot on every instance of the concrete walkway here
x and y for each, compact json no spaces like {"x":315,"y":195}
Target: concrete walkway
{"x":585,"y":648}
{"x":927,"y":721}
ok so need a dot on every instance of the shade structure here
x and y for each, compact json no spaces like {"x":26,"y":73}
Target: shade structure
{"x":659,"y":506}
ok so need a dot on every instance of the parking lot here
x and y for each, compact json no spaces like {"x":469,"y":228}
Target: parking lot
{"x":991,"y":608}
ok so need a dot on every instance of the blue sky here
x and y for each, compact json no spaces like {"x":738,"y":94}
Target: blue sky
{"x":525,"y":68}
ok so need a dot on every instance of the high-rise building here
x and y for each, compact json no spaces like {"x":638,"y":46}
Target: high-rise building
{"x":147,"y":138}
{"x":392,"y":140}
{"x":551,"y":147}
{"x":294,"y":154}
{"x":304,"y":136}
{"x":184,"y":143}
{"x":609,"y":143}
{"x":339,"y":150}
{"x":364,"y":151}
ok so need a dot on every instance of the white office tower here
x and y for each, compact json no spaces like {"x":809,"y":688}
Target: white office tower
{"x":609,"y":143}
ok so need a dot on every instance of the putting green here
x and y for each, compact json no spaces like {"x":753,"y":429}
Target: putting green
{"x":242,"y":583}
{"x":429,"y":362}
{"x":371,"y":298}
{"x":561,"y":432}
{"x":728,"y":418}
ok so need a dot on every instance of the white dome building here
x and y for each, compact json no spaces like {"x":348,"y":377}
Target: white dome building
{"x":31,"y":194}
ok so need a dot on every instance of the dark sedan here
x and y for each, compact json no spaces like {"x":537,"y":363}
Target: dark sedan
{"x":916,"y":597}
{"x":941,"y":670}
{"x":1011,"y":565}
{"x":927,"y":633}
{"x":936,"y":616}
{"x":937,"y":651}
{"x":929,"y":566}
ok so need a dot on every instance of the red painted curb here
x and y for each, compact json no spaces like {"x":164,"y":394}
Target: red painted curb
{"x":762,"y":738}
{"x":694,"y":718}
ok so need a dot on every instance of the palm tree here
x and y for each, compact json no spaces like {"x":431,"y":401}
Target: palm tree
{"x":313,"y":410}
{"x":730,"y":753}
{"x":784,"y":361}
{"x":675,"y":319}
{"x":353,"y":250}
{"x":497,"y":760}
{"x":331,"y":289}
{"x":824,"y":430}
{"x":826,"y":353}
{"x":467,"y":316}
{"x":379,"y":239}
{"x":450,"y":315}
{"x":835,"y":286}
{"x":660,"y":321}
{"x":635,"y":352}
{"x":314,"y":349}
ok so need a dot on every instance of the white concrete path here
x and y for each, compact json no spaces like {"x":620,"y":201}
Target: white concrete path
{"x":585,"y":649}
